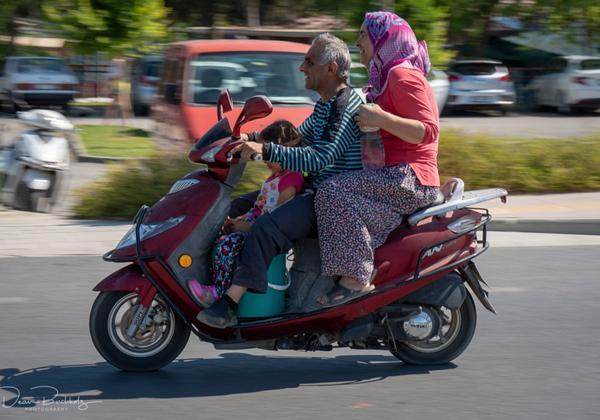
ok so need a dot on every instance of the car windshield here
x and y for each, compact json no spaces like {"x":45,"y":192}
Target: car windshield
{"x":474,"y":69}
{"x":247,"y":74}
{"x":41,"y":65}
{"x":590,"y":64}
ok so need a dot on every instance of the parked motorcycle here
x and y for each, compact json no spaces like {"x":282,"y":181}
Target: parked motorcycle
{"x":33,"y":170}
{"x":420,"y":309}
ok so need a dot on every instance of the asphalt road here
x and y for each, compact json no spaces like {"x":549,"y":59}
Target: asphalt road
{"x":537,"y":359}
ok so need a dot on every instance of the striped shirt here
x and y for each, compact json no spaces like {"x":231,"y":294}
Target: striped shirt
{"x":331,"y":138}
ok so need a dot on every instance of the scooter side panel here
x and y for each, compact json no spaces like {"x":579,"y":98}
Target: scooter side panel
{"x":334,"y":319}
{"x":193,"y":203}
{"x":403,"y":246}
{"x":397,"y":259}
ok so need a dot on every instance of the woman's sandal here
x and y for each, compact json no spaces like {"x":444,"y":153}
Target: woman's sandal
{"x":339,"y":295}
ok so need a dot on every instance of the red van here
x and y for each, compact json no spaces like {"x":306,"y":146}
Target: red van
{"x":194,"y":72}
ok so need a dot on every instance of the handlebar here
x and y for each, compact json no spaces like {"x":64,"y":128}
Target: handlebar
{"x":255,"y":156}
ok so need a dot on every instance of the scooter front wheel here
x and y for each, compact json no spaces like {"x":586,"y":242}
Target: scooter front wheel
{"x":456,"y":332}
{"x":156,"y":343}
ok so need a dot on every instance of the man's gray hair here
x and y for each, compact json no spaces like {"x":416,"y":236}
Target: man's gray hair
{"x":336,"y":50}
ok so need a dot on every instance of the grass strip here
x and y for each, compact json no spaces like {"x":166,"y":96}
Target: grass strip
{"x":116,"y":141}
{"x":519,"y":165}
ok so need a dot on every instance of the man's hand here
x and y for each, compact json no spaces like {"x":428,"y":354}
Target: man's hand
{"x":247,"y":149}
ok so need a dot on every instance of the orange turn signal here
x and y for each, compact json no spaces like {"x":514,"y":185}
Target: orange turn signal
{"x":185,"y":261}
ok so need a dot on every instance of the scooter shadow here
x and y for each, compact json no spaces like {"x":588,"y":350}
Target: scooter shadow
{"x":231,"y":373}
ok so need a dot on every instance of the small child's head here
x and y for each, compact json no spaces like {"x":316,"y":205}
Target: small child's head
{"x":280,"y":132}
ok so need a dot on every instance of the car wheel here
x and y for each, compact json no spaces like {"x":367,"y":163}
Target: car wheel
{"x":138,"y":110}
{"x":10,"y":106}
{"x":506,"y":110}
{"x":563,"y":107}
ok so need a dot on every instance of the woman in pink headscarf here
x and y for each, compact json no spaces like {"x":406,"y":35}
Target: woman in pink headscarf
{"x":356,"y":211}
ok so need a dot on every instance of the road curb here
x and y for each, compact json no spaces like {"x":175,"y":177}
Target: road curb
{"x":105,"y":159}
{"x":572,"y":227}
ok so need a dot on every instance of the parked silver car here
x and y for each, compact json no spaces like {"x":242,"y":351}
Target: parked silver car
{"x":27,"y":82}
{"x":569,"y":82}
{"x":480,"y":84}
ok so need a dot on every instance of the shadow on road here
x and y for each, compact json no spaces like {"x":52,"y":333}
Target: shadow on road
{"x":232,"y":373}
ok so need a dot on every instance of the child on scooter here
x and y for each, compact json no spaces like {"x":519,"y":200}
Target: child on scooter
{"x":276,"y":190}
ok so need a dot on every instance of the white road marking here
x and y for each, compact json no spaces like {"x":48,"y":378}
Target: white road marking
{"x":507,"y":290}
{"x":14,"y":299}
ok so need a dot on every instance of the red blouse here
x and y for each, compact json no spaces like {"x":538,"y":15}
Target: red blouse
{"x":408,"y":95}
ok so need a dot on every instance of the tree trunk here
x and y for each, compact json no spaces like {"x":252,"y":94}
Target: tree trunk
{"x":387,"y":5}
{"x":253,"y":12}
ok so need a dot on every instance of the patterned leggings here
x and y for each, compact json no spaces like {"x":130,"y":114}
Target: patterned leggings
{"x":228,"y":247}
{"x":356,"y":211}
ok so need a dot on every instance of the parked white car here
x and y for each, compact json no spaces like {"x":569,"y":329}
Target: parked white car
{"x":27,"y":82}
{"x":438,"y":80}
{"x":480,"y":84}
{"x":570,"y":82}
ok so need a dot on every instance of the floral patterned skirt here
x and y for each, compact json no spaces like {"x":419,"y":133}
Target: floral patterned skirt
{"x":356,"y":211}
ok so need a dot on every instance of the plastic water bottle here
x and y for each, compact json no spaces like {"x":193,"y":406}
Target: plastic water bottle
{"x":371,"y":148}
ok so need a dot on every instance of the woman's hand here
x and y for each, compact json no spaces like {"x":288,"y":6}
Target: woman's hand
{"x":369,"y":116}
{"x":247,"y":149}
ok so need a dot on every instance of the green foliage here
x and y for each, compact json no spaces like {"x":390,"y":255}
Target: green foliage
{"x":116,"y":141}
{"x":521,"y":165}
{"x":429,"y":22}
{"x":427,"y":19}
{"x":111,"y":26}
{"x":579,"y":19}
{"x":127,"y":186}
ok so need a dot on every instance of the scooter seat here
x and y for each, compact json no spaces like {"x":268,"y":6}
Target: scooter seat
{"x":439,"y":199}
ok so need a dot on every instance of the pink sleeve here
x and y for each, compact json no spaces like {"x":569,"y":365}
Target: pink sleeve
{"x":292,"y":179}
{"x":414,"y":101}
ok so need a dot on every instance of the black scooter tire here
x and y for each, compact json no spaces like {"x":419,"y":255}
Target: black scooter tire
{"x":99,"y":331}
{"x":411,"y":356}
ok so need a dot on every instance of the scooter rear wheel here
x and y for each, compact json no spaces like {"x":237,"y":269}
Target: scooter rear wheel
{"x":151,"y":348}
{"x":457,"y":332}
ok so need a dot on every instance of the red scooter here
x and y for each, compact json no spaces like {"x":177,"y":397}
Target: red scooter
{"x":420,"y":309}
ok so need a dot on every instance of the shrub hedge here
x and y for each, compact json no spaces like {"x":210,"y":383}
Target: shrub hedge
{"x":519,"y":165}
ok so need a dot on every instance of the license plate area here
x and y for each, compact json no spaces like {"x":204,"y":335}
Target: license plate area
{"x":46,"y":86}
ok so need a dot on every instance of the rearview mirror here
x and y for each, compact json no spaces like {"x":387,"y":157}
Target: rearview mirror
{"x":254,"y":108}
{"x":224,"y":104}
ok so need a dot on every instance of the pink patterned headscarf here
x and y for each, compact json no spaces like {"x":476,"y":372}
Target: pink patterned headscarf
{"x":394,"y":44}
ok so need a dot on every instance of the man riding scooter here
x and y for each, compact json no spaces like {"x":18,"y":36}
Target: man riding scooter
{"x":332,"y":146}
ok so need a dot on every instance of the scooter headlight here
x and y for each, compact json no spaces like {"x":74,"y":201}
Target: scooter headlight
{"x":148,"y":231}
{"x":182,"y":184}
{"x":209,"y":156}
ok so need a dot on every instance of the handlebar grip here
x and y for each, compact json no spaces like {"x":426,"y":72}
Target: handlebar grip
{"x":231,"y":156}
